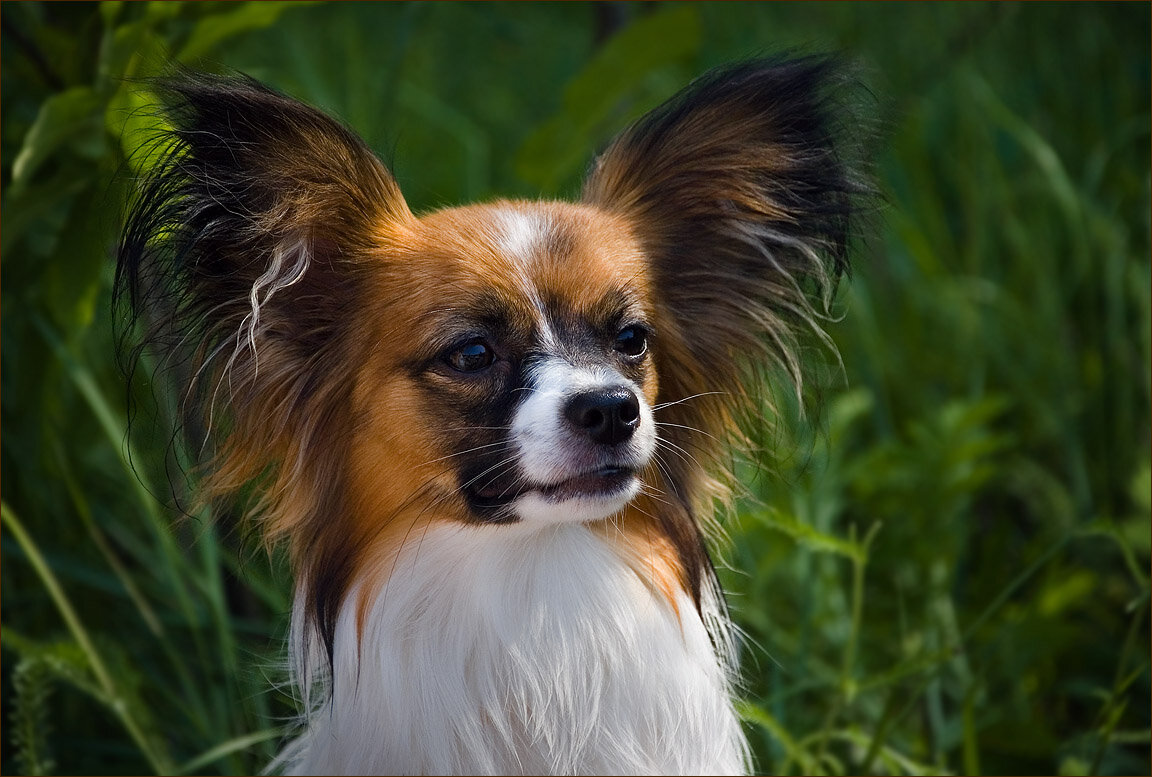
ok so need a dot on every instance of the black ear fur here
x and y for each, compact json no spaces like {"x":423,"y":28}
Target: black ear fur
{"x":241,"y":257}
{"x":254,"y":196}
{"x":741,"y":193}
{"x":247,"y":233}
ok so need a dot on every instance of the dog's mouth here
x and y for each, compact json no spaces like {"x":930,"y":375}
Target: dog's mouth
{"x":602,"y":483}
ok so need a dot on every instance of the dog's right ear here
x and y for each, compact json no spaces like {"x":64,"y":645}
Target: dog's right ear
{"x":243,"y":257}
{"x":743,"y":196}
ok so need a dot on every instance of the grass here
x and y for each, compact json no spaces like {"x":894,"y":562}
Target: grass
{"x":944,"y":570}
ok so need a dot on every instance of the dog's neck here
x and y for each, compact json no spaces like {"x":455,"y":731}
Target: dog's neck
{"x":509,"y":649}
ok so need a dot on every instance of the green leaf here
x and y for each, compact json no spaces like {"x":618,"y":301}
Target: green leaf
{"x":109,"y":10}
{"x":1072,"y":765}
{"x":225,"y":749}
{"x":894,"y":761}
{"x":128,"y":50}
{"x":162,"y":10}
{"x":118,"y":692}
{"x":73,"y":277}
{"x":64,"y":118}
{"x":608,"y":91}
{"x":971,"y":733}
{"x":1066,"y":592}
{"x":31,"y":687}
{"x":753,"y":713}
{"x":811,"y":537}
{"x":1140,"y":488}
{"x":34,"y":202}
{"x":133,"y":119}
{"x":65,"y":659}
{"x":213,"y":30}
{"x":847,"y":410}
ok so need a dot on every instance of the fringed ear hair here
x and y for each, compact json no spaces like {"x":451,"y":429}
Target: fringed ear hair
{"x":743,"y":200}
{"x":242,"y":257}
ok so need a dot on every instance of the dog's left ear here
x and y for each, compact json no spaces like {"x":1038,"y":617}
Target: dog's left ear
{"x":244,"y":259}
{"x":742,"y":199}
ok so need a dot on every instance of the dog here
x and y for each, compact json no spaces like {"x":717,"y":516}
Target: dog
{"x":492,"y":435}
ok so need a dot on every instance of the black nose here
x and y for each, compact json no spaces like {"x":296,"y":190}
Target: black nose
{"x":608,"y":416}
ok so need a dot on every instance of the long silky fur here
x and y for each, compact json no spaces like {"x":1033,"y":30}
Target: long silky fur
{"x":531,"y":646}
{"x":744,"y":196}
{"x":240,"y":261}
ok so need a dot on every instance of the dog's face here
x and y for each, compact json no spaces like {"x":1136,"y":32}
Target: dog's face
{"x":511,"y":365}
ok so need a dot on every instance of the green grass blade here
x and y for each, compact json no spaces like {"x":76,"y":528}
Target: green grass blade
{"x":108,"y":685}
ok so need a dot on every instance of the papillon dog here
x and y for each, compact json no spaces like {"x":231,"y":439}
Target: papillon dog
{"x":492,"y":435}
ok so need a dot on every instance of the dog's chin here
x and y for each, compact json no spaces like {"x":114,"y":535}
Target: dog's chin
{"x":587,"y":496}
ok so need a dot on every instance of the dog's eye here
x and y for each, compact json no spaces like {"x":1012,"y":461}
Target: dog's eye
{"x":473,"y":356}
{"x":632,"y":341}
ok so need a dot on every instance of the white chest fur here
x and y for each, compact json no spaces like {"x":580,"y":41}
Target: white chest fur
{"x":509,"y":649}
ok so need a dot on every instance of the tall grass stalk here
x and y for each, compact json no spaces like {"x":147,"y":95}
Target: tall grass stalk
{"x":111,"y":694}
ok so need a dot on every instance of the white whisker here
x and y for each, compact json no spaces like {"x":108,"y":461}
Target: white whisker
{"x":663,"y":405}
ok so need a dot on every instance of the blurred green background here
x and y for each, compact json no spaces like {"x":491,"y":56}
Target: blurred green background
{"x":946,"y":570}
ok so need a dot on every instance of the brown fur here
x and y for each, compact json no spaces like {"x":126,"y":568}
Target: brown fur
{"x":720,"y":218}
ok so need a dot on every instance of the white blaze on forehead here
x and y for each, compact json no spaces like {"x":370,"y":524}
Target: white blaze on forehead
{"x":521,"y":237}
{"x":522,"y":234}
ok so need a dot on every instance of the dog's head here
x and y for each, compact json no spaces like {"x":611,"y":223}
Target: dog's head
{"x":510,"y":362}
